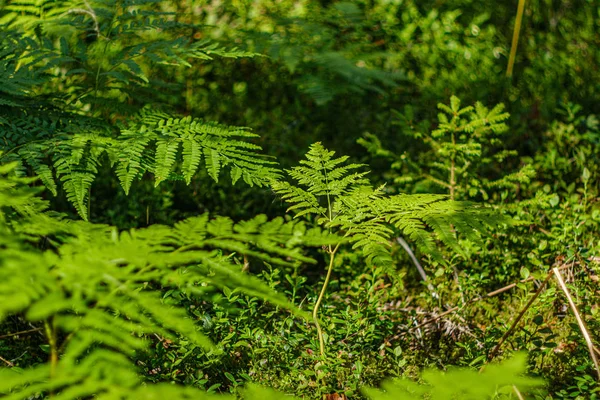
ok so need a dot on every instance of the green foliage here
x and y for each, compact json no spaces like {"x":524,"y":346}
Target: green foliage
{"x":193,"y":304}
{"x":66,"y":137}
{"x":96,"y":291}
{"x":322,"y":66}
{"x":344,"y":201}
{"x":459,"y":153}
{"x":218,"y":145}
{"x":76,"y":156}
{"x":462,"y":384}
{"x":495,"y":381}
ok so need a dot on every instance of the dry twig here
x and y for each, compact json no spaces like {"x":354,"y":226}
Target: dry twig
{"x":454,"y":309}
{"x":10,"y":364}
{"x":520,"y":316}
{"x":580,"y":321}
{"x":20,"y":333}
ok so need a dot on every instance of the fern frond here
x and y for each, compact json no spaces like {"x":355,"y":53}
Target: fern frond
{"x":303,"y":202}
{"x":460,"y":383}
{"x":192,"y":155}
{"x":321,"y":176}
{"x":166,"y":151}
{"x":33,"y":155}
{"x":76,"y":164}
{"x":369,"y":218}
{"x":97,"y":285}
{"x":130,"y":162}
{"x":216,"y":143}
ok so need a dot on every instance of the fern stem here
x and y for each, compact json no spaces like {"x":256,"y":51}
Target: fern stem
{"x":13,"y":149}
{"x":453,"y":169}
{"x":515,"y":39}
{"x":89,"y":205}
{"x":320,"y":299}
{"x":51,"y":335}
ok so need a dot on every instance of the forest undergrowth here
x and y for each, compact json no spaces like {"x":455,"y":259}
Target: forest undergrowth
{"x":299,"y":199}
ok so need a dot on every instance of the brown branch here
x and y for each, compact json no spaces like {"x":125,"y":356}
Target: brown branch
{"x":20,"y":333}
{"x":520,"y":316}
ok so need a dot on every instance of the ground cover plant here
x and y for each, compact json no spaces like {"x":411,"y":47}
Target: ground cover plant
{"x":299,"y":199}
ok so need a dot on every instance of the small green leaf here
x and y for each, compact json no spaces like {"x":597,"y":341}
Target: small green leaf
{"x":586,"y":174}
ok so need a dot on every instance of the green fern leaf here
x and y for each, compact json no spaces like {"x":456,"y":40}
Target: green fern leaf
{"x":129,"y":163}
{"x":32,"y":154}
{"x":213,"y":163}
{"x":192,"y":154}
{"x":166,"y":152}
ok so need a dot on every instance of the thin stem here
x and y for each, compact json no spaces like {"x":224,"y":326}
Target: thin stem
{"x":13,"y":149}
{"x":453,"y":168}
{"x":515,"y":39}
{"x":519,"y":395}
{"x":520,"y":316}
{"x":327,"y":277}
{"x":10,"y":364}
{"x":320,"y":299}
{"x":580,"y":321}
{"x":20,"y":333}
{"x":51,"y":335}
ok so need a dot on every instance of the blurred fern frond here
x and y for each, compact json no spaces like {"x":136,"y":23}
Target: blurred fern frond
{"x":98,"y":291}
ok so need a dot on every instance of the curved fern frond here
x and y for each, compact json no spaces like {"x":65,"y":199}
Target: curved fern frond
{"x":33,"y":155}
{"x":218,"y":144}
{"x":303,"y":202}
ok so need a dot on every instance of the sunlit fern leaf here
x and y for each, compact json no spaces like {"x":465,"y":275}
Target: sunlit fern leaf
{"x":192,"y":155}
{"x":76,"y":144}
{"x":322,"y":176}
{"x":76,"y":164}
{"x":130,"y":164}
{"x":166,"y":151}
{"x":218,"y":145}
{"x":303,"y":202}
{"x":213,"y":163}
{"x":101,"y":374}
{"x":343,"y":201}
{"x":414,"y":214}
